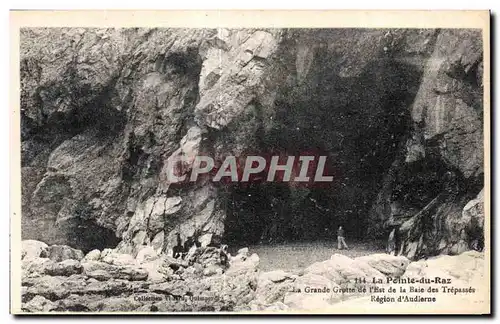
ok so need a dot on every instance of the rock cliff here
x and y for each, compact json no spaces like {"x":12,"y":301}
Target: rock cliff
{"x":398,"y":113}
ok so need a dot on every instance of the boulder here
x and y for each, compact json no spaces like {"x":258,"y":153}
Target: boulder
{"x":76,"y":303}
{"x":272,"y":287}
{"x":39,"y":304}
{"x":327,"y":269}
{"x":243,"y":251}
{"x":275,"y":276}
{"x":33,"y":266}
{"x":115,"y":304}
{"x":205,"y":256}
{"x":465,"y":266}
{"x":301,"y":298}
{"x":54,"y":287}
{"x":60,"y":253}
{"x":389,"y":265}
{"x":351,"y":269}
{"x":119,"y":259}
{"x":118,"y":272}
{"x":238,"y":266}
{"x":93,"y":255}
{"x":65,"y":268}
{"x":157,"y":271}
{"x":32,"y":249}
{"x":173,"y":263}
{"x":212,"y":270}
{"x":276,"y":307}
{"x":112,"y":287}
{"x":474,"y":210}
{"x":105,"y":252}
{"x":146,"y":254}
{"x":100,"y":275}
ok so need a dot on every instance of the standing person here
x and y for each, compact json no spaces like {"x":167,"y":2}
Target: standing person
{"x":177,"y":251}
{"x":340,"y":238}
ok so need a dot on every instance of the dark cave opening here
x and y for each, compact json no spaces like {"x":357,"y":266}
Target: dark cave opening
{"x":318,"y":115}
{"x":89,"y":236}
{"x":84,"y":233}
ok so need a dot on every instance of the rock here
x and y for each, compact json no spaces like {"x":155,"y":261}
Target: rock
{"x":65,"y":268}
{"x":112,"y":287}
{"x":446,"y":118}
{"x":39,"y":304}
{"x":54,"y":288}
{"x":60,"y":253}
{"x":464,"y":271}
{"x":173,"y":263}
{"x":389,"y":265}
{"x":463,"y":267}
{"x":93,"y":255}
{"x":272,"y":287}
{"x":100,"y":275}
{"x":238,"y":82}
{"x":114,"y":271}
{"x":115,"y":304}
{"x":473,"y":219}
{"x":107,"y":287}
{"x":249,"y":265}
{"x":105,"y":252}
{"x":157,"y":242}
{"x":243,"y":251}
{"x":76,"y":303}
{"x":146,"y":254}
{"x":205,"y":239}
{"x":32,"y":249}
{"x":474,"y":209}
{"x":305,"y":300}
{"x":277,"y":306}
{"x":157,"y":271}
{"x":205,"y":256}
{"x":144,"y":97}
{"x":119,"y":259}
{"x":275,"y":276}
{"x":355,"y":268}
{"x":36,"y":266}
{"x":212,"y":270}
{"x":327,"y":268}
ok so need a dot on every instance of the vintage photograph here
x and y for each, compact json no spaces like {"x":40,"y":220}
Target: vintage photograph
{"x":242,"y":170}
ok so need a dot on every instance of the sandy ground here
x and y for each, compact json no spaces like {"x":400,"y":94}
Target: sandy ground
{"x":299,"y":255}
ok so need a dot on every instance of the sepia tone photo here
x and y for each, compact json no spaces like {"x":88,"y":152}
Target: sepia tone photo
{"x":226,"y":169}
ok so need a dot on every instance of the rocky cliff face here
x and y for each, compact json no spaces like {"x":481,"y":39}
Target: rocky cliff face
{"x":397,"y":112}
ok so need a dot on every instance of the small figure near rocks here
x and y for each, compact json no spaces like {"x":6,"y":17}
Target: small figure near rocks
{"x":340,"y":239}
{"x":224,"y":255}
{"x":178,"y":248}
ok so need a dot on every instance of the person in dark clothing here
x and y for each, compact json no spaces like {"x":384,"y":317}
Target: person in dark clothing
{"x":223,"y":254}
{"x":341,"y":239}
{"x":188,"y":244}
{"x":178,"y":249}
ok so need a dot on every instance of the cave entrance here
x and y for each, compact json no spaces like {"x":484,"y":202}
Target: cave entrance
{"x":89,"y":236}
{"x":360,"y":123}
{"x":276,"y":213}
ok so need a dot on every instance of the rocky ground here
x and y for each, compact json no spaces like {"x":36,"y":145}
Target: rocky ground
{"x":59,"y":278}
